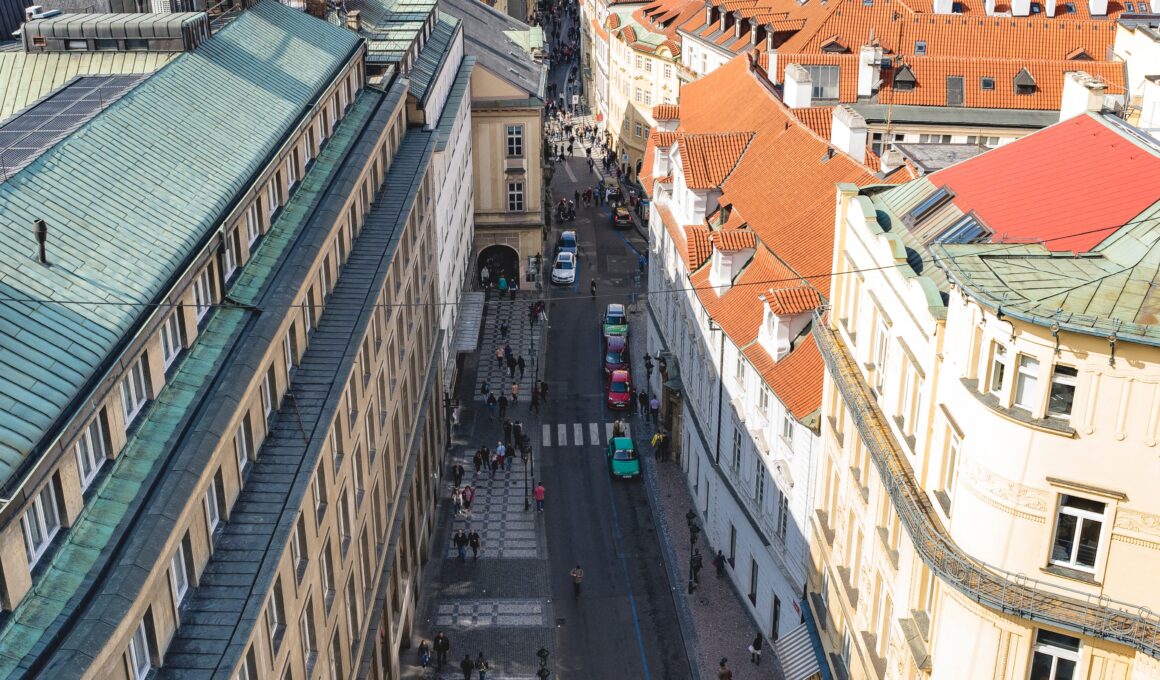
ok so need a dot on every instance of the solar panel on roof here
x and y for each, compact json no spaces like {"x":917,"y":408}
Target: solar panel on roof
{"x":26,"y":136}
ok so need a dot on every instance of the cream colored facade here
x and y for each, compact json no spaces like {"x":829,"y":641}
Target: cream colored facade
{"x":967,"y":532}
{"x":507,"y":146}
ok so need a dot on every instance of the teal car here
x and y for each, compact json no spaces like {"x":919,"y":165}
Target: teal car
{"x":615,"y":321}
{"x":622,"y":459}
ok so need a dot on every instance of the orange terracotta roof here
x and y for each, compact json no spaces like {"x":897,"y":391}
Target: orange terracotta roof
{"x":873,"y":162}
{"x":697,"y":246}
{"x":665,"y":179}
{"x":793,"y":300}
{"x":599,"y":30}
{"x":817,"y":118}
{"x":732,"y":240}
{"x":628,"y":34}
{"x":666,"y":112}
{"x":796,"y":379}
{"x":613,"y":22}
{"x":931,"y":75}
{"x":707,"y":159}
{"x":672,"y":46}
{"x":977,"y":8}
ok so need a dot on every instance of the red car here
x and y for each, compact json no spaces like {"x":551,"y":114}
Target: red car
{"x":615,"y":354}
{"x":619,"y":391}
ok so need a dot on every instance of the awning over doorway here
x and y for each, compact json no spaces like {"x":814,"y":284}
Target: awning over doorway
{"x":795,"y":652}
{"x":469,"y":322}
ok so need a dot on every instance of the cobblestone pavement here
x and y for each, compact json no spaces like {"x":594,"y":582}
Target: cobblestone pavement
{"x":524,"y":339}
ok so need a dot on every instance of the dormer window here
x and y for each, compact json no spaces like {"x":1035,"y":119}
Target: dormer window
{"x":904,"y":80}
{"x":1024,"y":82}
{"x":919,"y":48}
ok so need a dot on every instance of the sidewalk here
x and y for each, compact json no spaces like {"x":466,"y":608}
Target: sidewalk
{"x":716,"y":621}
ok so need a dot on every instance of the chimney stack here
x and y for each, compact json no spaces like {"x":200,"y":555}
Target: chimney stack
{"x":352,"y":20}
{"x":1021,"y":8}
{"x":944,"y":6}
{"x":989,"y":7}
{"x":1098,"y":8}
{"x":1081,"y":93}
{"x":40,"y":229}
{"x":1049,"y":8}
{"x":797,"y":88}
{"x":869,"y":69}
{"x":890,"y":159}
{"x":316,"y":9}
{"x":848,"y":132}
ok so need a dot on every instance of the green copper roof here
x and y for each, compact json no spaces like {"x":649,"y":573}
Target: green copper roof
{"x":131,"y":195}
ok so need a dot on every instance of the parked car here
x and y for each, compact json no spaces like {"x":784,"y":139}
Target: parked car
{"x":567,"y":242}
{"x":615,"y":354}
{"x":615,"y":320}
{"x":564,"y":269}
{"x":620,"y":393}
{"x":621,"y":218}
{"x":622,"y":459}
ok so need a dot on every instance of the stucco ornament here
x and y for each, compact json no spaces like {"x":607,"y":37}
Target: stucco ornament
{"x":1008,"y":494}
{"x":1136,"y":522}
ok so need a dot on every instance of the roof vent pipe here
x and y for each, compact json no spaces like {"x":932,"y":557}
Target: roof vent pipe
{"x":40,"y":228}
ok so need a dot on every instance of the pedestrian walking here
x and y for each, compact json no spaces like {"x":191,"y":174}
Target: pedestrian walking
{"x":515,"y":392}
{"x":477,"y":461}
{"x":503,"y":404}
{"x":442,"y":646}
{"x":499,"y":356}
{"x":518,"y":430}
{"x":520,"y":365}
{"x":457,"y":475}
{"x":695,"y":565}
{"x":755,"y":650}
{"x":642,"y":399}
{"x":494,"y":466}
{"x":424,"y":654}
{"x":475,"y":543}
{"x":535,"y":403}
{"x":485,"y":277}
{"x":654,"y":409}
{"x":538,"y":494}
{"x":508,"y":459}
{"x":641,"y":263}
{"x":647,"y":366}
{"x":577,"y":576}
{"x":511,"y":362}
{"x":482,"y":666}
{"x":723,"y":672}
{"x":592,"y":289}
{"x":457,"y":500}
{"x":491,"y":402}
{"x":467,"y":666}
{"x":468,"y":497}
{"x":507,"y":430}
{"x":719,"y":564}
{"x":544,"y":390}
{"x":460,"y":542}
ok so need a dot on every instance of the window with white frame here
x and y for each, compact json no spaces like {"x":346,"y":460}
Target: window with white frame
{"x":1078,"y":527}
{"x":515,"y":196}
{"x":253,"y":223}
{"x":636,"y":130}
{"x":912,"y":400}
{"x":763,"y":400}
{"x":759,"y":485}
{"x":1027,"y":383}
{"x":90,"y":452}
{"x":268,"y":393}
{"x":318,"y":485}
{"x":1056,"y":656}
{"x":249,"y":669}
{"x":882,"y":627}
{"x":230,"y":255}
{"x":950,"y":460}
{"x":276,"y":615}
{"x":881,"y":354}
{"x":292,"y":169}
{"x":172,"y":341}
{"x":353,"y":616}
{"x":998,"y":369}
{"x":179,"y":574}
{"x":203,"y":293}
{"x":739,"y":370}
{"x":823,"y":81}
{"x":288,"y":351}
{"x":636,"y":97}
{"x":273,"y":197}
{"x":1059,"y":402}
{"x":133,"y":391}
{"x":782,"y":515}
{"x":243,"y":444}
{"x":737,"y":439}
{"x":515,"y":141}
{"x":787,"y":427}
{"x":41,"y":522}
{"x":140,"y":660}
{"x":327,"y":566}
{"x":647,"y":100}
{"x":212,"y":510}
{"x":668,"y":71}
{"x":306,"y":633}
{"x":336,"y":656}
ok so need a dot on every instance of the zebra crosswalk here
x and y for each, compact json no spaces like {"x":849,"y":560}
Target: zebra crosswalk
{"x":578,"y":434}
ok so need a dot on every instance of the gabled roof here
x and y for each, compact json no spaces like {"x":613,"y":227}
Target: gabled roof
{"x":485,"y":36}
{"x":665,"y":112}
{"x":732,"y":240}
{"x":122,"y":223}
{"x":793,"y":300}
{"x":707,"y":159}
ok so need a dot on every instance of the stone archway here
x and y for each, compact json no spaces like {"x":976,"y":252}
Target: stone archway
{"x":497,"y":259}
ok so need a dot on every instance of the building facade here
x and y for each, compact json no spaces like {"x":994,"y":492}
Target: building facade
{"x":976,"y":360}
{"x":235,"y":475}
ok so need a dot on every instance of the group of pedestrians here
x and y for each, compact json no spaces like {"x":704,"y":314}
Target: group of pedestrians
{"x":442,"y":646}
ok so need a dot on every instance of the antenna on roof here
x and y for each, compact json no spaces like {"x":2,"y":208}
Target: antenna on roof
{"x":40,"y":229}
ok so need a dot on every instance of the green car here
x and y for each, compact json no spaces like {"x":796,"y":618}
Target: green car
{"x":615,"y":320}
{"x":622,"y":460}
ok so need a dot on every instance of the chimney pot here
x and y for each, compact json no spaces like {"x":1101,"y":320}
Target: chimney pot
{"x":40,"y":228}
{"x":1082,"y":93}
{"x":797,"y":89}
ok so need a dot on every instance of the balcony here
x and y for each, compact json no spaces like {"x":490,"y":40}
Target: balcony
{"x":1010,"y":593}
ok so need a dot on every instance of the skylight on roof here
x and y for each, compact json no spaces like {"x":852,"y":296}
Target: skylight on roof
{"x":929,"y":205}
{"x":919,"y":47}
{"x":966,"y":229}
{"x":986,"y":83}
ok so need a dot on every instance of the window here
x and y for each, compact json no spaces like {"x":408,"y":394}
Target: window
{"x":647,"y":98}
{"x":292,"y":169}
{"x":137,"y":44}
{"x":752,"y":580}
{"x":763,"y":399}
{"x":327,"y":567}
{"x":335,"y":656}
{"x":739,"y":370}
{"x":243,"y":443}
{"x":919,"y":48}
{"x":248,"y":671}
{"x":998,"y":368}
{"x":230,"y":255}
{"x":344,"y":520}
{"x":133,"y":394}
{"x":105,"y":44}
{"x":352,"y":613}
{"x":203,"y":294}
{"x":268,"y":393}
{"x":90,"y":452}
{"x":253,"y":223}
{"x":515,"y":196}
{"x":289,"y":351}
{"x":824,"y":81}
{"x":319,"y":487}
{"x":1056,"y":656}
{"x":276,"y":616}
{"x":885,"y":611}
{"x":934,"y":139}
{"x":881,"y":354}
{"x":787,"y":428}
{"x":297,"y":548}
{"x":40,"y":522}
{"x":212,"y":511}
{"x":1063,"y":380}
{"x":306,"y":631}
{"x":986,"y":83}
{"x":515,"y":141}
{"x":273,"y":197}
{"x":668,"y":72}
{"x":950,"y":460}
{"x":736,"y":447}
{"x":81,"y":45}
{"x":140,"y":662}
{"x":954,"y":90}
{"x":1077,"y":532}
{"x":636,"y":130}
{"x":171,"y":338}
{"x":1027,"y":382}
{"x":179,"y":574}
{"x":774,"y":617}
{"x":759,"y":485}
{"x":782,"y":515}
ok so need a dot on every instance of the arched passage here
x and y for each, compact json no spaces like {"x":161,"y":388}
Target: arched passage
{"x":497,"y":260}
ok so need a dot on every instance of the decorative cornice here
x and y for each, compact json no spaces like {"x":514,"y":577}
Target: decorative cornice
{"x":1004,"y":494}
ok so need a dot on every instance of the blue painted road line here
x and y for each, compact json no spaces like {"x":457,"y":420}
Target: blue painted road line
{"x":628,"y":581}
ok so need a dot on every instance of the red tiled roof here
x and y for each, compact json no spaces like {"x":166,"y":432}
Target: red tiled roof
{"x":796,"y":379}
{"x":1062,"y":166}
{"x":663,"y":138}
{"x":628,"y":33}
{"x":613,"y":22}
{"x":732,"y":240}
{"x":665,"y":112}
{"x":672,"y":46}
{"x":795,"y":300}
{"x":697,"y":246}
{"x":599,"y":30}
{"x":707,"y":159}
{"x":817,"y":118}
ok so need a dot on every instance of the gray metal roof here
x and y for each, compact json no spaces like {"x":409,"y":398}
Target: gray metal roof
{"x":955,"y":115}
{"x":130,"y":196}
{"x":484,"y":31}
{"x":114,"y":25}
{"x":432,"y":56}
{"x":931,"y":157}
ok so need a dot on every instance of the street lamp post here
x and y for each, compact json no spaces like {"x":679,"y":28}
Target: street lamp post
{"x":694,"y":530}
